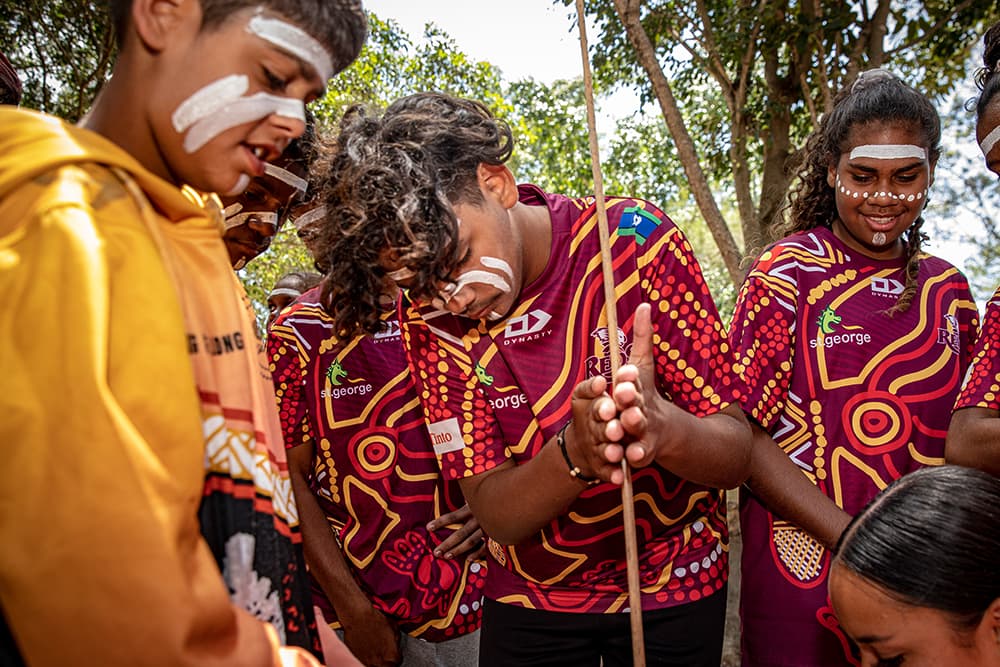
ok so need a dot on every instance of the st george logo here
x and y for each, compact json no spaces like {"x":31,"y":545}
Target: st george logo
{"x":335,"y":372}
{"x":827,"y":319}
{"x":482,"y":375}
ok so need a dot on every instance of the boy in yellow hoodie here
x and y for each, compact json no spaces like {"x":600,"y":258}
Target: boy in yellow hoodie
{"x":127,"y":358}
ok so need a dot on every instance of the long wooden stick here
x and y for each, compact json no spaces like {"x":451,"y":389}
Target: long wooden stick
{"x":611,"y":314}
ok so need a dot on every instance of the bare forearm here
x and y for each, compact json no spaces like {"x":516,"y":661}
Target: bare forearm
{"x":712,"y":450}
{"x":514,"y":502}
{"x":786,"y":491}
{"x":974,"y":439}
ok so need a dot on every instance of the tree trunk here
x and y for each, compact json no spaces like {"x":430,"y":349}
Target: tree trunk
{"x":628,"y":12}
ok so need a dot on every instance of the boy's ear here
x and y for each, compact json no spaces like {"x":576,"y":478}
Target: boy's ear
{"x":831,"y":175}
{"x":155,"y":21}
{"x":496,"y":180}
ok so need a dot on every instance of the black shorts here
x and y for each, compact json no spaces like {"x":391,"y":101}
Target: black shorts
{"x":689,"y":635}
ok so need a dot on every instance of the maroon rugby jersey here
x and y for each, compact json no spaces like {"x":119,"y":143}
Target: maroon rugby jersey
{"x":375,"y":473}
{"x":854,"y":396}
{"x":982,"y":382}
{"x":494,"y":391}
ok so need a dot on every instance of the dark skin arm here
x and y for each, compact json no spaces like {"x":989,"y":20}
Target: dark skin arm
{"x":786,"y":491}
{"x":974,"y":439}
{"x":514,"y":502}
{"x":370,"y":636}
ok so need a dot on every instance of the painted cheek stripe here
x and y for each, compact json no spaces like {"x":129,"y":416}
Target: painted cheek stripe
{"x":990,"y":140}
{"x":499,"y":265}
{"x":221,"y":105}
{"x":240,"y":111}
{"x":878,"y":194}
{"x":295,"y":41}
{"x":232,"y":209}
{"x":482,"y":277}
{"x":889,"y":152}
{"x":285,"y":291}
{"x":310,"y":217}
{"x":266,"y":217}
{"x":286,"y":177}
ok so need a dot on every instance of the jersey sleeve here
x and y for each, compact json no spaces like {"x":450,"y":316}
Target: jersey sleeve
{"x":288,"y":361}
{"x":694,"y":360}
{"x":981,"y":388}
{"x":762,"y":339}
{"x":466,"y":437}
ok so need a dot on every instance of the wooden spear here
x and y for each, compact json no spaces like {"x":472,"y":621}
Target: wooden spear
{"x":611,"y":314}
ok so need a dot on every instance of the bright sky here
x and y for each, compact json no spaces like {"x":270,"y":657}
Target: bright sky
{"x":522,"y":37}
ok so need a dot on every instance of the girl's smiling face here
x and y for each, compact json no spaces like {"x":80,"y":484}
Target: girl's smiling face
{"x":880,"y":183}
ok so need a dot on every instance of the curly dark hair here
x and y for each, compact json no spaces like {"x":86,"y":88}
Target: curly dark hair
{"x":876,"y":97}
{"x":390,"y":183}
{"x":988,"y":76}
{"x":339,"y":25}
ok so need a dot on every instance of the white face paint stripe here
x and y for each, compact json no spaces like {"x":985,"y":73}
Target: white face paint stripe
{"x":286,"y":176}
{"x":310,"y":217}
{"x":295,"y":41}
{"x":889,"y":152}
{"x":266,"y":217}
{"x":479,"y":276}
{"x":242,"y":183}
{"x":990,"y":140}
{"x":878,"y":194}
{"x":498,"y":264}
{"x":239,"y":111}
{"x":209,"y":100}
{"x":232,"y":209}
{"x":285,"y":291}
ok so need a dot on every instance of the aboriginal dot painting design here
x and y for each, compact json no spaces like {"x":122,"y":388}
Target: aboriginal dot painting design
{"x":375,"y":474}
{"x":498,"y":391}
{"x":982,"y":382}
{"x":855,"y":397}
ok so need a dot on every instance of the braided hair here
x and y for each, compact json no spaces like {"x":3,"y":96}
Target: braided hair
{"x":877,"y":96}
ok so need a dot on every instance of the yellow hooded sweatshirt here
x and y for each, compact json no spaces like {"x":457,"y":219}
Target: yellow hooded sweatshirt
{"x":115,"y":285}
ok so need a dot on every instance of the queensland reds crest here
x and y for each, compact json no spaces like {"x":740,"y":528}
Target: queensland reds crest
{"x":600,"y":363}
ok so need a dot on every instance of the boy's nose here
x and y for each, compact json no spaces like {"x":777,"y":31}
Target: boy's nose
{"x":288,"y":128}
{"x":460,"y":301}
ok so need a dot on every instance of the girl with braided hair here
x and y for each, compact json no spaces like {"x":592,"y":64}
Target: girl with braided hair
{"x":852,"y":342}
{"x":974,"y":434}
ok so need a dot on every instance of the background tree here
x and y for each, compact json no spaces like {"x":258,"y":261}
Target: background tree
{"x":62,"y":49}
{"x":740,"y":83}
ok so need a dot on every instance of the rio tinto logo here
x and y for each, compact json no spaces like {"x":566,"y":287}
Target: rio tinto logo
{"x":445,"y":436}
